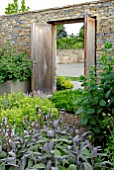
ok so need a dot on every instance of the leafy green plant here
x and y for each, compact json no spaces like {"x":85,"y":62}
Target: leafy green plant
{"x":65,"y":41}
{"x":63,"y":83}
{"x":47,"y":146}
{"x":14,"y":66}
{"x":66,"y":99}
{"x":17,"y":108}
{"x":97,"y":101}
{"x":13,"y":8}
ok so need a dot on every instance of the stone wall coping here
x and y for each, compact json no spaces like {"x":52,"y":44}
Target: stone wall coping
{"x":57,"y":8}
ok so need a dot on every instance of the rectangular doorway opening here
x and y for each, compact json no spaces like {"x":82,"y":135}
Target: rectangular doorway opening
{"x":70,"y":54}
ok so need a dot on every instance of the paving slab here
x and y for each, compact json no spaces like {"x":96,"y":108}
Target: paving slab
{"x":71,"y":70}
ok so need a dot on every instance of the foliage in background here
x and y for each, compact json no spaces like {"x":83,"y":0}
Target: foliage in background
{"x":18,"y":108}
{"x":13,"y":8}
{"x":63,"y":83}
{"x":97,"y":101}
{"x":47,"y":146}
{"x":14,"y":66}
{"x":65,"y":41}
{"x":61,"y":32}
{"x":66,"y":99}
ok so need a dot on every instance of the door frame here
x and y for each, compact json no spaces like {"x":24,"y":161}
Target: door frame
{"x":75,"y":21}
{"x":53,"y":25}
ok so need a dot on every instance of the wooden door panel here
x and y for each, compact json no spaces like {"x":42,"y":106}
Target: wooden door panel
{"x":43,"y":56}
{"x":89,"y":43}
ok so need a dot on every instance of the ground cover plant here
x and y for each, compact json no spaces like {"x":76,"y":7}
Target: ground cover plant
{"x":48,"y":146}
{"x":63,"y":83}
{"x":97,"y":102}
{"x":65,"y":100}
{"x":17,"y":107}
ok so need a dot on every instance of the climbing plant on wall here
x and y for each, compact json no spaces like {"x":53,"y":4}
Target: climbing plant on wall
{"x":13,"y":8}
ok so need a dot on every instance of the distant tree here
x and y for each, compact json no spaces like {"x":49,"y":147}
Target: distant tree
{"x":80,"y":37}
{"x":69,"y":42}
{"x":14,"y":7}
{"x":61,"y":32}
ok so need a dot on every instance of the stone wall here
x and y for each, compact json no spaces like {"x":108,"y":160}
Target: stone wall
{"x":16,"y":29}
{"x":70,"y":56}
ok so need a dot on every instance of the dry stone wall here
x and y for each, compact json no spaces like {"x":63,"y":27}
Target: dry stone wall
{"x":65,"y":56}
{"x":16,"y":29}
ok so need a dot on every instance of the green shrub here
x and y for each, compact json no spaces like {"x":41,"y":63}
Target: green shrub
{"x":63,"y":83}
{"x":17,"y":108}
{"x":65,"y":99}
{"x":97,"y":101}
{"x":14,"y":66}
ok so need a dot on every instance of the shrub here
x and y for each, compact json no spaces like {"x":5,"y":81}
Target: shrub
{"x":14,"y":66}
{"x":50,"y":146}
{"x":110,"y":149}
{"x":65,"y":99}
{"x":17,"y":108}
{"x":63,"y":83}
{"x":97,"y":101}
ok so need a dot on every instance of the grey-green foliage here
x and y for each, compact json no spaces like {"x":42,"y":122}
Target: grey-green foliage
{"x":13,"y":8}
{"x":50,"y":146}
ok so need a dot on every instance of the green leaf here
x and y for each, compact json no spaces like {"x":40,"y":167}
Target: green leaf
{"x":3,"y":154}
{"x":87,"y":166}
{"x":65,"y":140}
{"x":80,"y":110}
{"x":56,"y":152}
{"x":108,"y":45}
{"x":93,"y":121}
{"x":39,"y":166}
{"x":96,"y":129}
{"x":86,"y":152}
{"x":102,"y":103}
{"x":84,"y":121}
{"x":91,"y":111}
{"x":111,"y":76}
{"x":72,"y":167}
{"x":113,"y":110}
{"x":62,"y":167}
{"x":112,"y":99}
{"x":2,"y":166}
{"x":107,"y":94}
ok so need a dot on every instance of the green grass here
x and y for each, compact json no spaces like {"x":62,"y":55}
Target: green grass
{"x":73,"y":78}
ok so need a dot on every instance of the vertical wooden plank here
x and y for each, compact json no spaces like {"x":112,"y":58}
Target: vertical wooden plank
{"x":43,"y":56}
{"x":89,"y":43}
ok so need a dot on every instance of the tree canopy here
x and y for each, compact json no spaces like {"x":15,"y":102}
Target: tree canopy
{"x":13,"y":8}
{"x":61,"y":32}
{"x":65,"y":41}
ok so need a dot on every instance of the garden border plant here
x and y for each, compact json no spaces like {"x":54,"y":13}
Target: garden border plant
{"x":97,"y":101}
{"x":65,"y":99}
{"x":14,"y":66}
{"x":47,"y":146}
